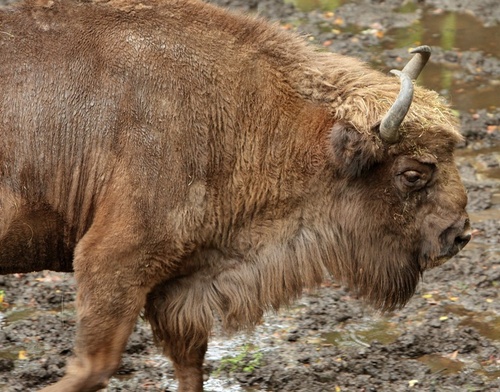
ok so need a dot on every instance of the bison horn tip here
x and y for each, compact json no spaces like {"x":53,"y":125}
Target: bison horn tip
{"x":417,"y":63}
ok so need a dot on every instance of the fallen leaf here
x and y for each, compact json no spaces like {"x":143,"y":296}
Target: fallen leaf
{"x":22,"y":355}
{"x":453,"y":356}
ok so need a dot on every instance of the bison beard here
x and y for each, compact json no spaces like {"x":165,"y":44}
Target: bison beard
{"x":208,"y":166}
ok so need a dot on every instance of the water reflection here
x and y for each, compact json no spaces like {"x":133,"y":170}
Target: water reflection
{"x":449,"y":30}
{"x":440,"y":364}
{"x":324,"y":5}
{"x":459,"y":32}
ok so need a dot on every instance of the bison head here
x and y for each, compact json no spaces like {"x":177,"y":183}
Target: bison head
{"x":402,"y":201}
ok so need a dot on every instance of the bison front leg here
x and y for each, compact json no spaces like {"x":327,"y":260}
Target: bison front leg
{"x":111,"y":291}
{"x":181,"y":319}
{"x":189,"y":367}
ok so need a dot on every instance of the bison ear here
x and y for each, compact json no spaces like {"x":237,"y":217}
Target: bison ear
{"x":352,"y":152}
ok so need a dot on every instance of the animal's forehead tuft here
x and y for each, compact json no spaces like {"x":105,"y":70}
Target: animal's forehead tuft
{"x":431,"y":120}
{"x":361,"y":96}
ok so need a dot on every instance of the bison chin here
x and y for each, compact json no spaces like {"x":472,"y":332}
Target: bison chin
{"x":388,"y":286}
{"x":383,"y":266}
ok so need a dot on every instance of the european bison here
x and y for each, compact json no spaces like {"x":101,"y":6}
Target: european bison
{"x":204,"y":165}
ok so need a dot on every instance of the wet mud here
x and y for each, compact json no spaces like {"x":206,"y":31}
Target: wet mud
{"x":446,"y":339}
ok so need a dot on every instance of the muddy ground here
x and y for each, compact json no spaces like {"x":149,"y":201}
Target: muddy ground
{"x":446,"y":339}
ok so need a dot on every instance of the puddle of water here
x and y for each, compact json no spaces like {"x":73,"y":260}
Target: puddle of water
{"x":479,"y":93}
{"x":490,"y":375}
{"x":486,"y":323}
{"x":494,"y":173}
{"x":447,"y":30}
{"x":215,"y":385}
{"x":452,"y":31}
{"x":442,"y":365}
{"x":472,"y":153}
{"x":11,"y":355}
{"x":220,"y":348}
{"x":17,"y":315}
{"x":485,"y":161}
{"x":25,"y":350}
{"x":485,"y":215}
{"x":381,"y":331}
{"x":489,"y":329}
{"x":324,"y":5}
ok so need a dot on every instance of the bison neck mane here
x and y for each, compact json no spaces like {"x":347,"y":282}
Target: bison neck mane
{"x":238,"y":291}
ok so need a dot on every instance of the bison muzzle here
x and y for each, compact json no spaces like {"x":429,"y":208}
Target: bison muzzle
{"x":208,"y":166}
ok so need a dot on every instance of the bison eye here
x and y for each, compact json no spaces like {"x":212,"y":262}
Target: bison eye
{"x":412,"y":180}
{"x":412,"y":176}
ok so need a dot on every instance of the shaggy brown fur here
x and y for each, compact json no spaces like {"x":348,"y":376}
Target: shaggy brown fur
{"x":206,"y":165}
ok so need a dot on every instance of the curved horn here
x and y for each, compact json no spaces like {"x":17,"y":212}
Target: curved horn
{"x":389,"y":126}
{"x":417,"y":63}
